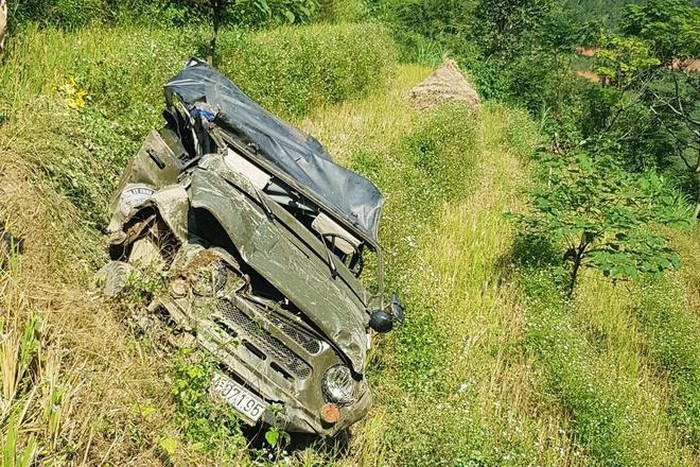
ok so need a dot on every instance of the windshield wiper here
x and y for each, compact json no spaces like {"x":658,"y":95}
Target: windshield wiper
{"x":263,"y":203}
{"x":331,"y":263}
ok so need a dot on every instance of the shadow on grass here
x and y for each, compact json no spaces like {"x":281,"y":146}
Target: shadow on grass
{"x":528,"y":253}
{"x":329,"y":449}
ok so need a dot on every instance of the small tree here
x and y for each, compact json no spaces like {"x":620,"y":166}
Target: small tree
{"x":507,"y":27}
{"x":600,"y":216}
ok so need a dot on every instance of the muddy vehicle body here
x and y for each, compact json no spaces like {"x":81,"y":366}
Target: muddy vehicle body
{"x":261,"y":240}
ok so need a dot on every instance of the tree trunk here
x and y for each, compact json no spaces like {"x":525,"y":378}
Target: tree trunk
{"x":216,"y":6}
{"x":578,"y":259}
{"x":574,"y":274}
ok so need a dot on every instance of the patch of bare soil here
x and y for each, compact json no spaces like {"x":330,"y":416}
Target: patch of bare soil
{"x":587,"y":51}
{"x":591,"y":76}
{"x":447,"y":83}
{"x":691,"y":65}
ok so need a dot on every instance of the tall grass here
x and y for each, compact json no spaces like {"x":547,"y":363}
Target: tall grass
{"x":591,"y":366}
{"x":293,"y":70}
{"x":672,"y":330}
{"x":36,"y":393}
{"x":290,"y":70}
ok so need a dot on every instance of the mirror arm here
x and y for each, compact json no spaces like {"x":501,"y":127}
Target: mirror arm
{"x":380,"y":276}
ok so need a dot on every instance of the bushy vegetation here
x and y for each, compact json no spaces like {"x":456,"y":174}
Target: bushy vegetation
{"x":74,"y":14}
{"x":639,"y":116}
{"x":108,"y":92}
{"x":293,"y":70}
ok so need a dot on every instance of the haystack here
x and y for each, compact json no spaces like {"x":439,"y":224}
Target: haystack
{"x":446,"y":83}
{"x":3,"y":23}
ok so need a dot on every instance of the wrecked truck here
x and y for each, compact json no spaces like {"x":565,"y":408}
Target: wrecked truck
{"x":261,"y":240}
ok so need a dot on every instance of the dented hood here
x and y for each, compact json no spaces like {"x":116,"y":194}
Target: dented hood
{"x":293,"y":156}
{"x":274,"y":249}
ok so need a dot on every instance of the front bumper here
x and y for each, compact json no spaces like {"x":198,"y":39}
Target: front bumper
{"x":271,"y":356}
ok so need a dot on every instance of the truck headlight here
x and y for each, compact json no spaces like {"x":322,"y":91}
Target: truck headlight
{"x":339,"y":385}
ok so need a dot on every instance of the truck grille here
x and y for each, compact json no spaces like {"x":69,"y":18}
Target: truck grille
{"x":307,"y":341}
{"x":268,"y":344}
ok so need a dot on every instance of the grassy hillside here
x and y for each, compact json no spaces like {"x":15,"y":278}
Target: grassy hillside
{"x":493,"y":365}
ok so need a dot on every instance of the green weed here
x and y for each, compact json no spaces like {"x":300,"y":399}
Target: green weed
{"x":663,"y":314}
{"x":205,"y":424}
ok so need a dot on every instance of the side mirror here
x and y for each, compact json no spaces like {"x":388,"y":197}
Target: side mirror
{"x":397,"y":308}
{"x":381,"y":321}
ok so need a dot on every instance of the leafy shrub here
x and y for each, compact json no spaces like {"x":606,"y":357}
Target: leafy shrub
{"x":258,"y":13}
{"x":206,"y":424}
{"x":425,"y":31}
{"x":504,"y":27}
{"x":602,"y":217}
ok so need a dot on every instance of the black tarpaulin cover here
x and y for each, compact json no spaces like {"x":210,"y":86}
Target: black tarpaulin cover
{"x":353,"y":198}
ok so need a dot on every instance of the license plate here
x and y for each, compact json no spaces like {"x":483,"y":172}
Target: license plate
{"x":249,"y":405}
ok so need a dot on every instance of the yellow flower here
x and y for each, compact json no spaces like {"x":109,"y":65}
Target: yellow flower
{"x":73,"y":96}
